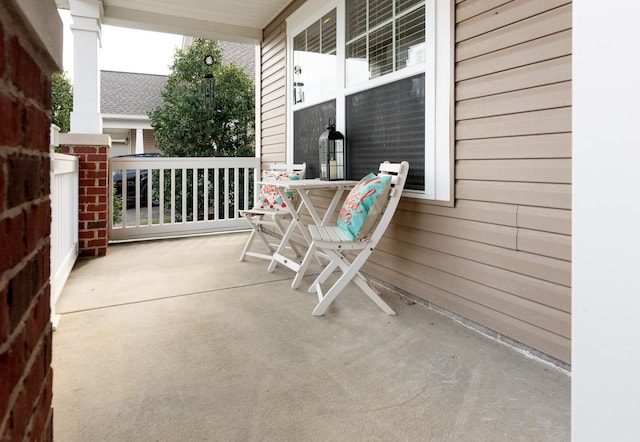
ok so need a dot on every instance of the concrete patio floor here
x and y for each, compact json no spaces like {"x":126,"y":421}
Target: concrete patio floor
{"x":175,"y":340}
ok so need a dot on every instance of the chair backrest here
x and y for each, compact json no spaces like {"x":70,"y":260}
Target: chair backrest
{"x":398,"y":172}
{"x":268,"y":196}
{"x":289,"y":168}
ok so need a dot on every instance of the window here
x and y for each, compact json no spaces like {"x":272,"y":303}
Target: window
{"x":383,"y":69}
{"x":381,"y":38}
{"x":314,"y":60}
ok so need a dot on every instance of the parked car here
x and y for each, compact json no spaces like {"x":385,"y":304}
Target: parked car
{"x":131,"y":182}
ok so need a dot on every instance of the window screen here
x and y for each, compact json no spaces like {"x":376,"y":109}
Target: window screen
{"x":387,"y":123}
{"x":308,"y":125}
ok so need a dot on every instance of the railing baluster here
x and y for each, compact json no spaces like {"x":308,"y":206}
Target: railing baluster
{"x":123,"y":192}
{"x":216,"y":193}
{"x":226,"y":193}
{"x":236,"y":192}
{"x":245,"y":199}
{"x":194,"y":197}
{"x":173,"y":196}
{"x":137,"y":198}
{"x":161,"y":196}
{"x":205,"y":197}
{"x":149,"y":197}
{"x":184,"y":195}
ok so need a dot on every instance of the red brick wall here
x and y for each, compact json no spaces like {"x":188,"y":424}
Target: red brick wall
{"x":93,"y":206}
{"x":25,"y":329}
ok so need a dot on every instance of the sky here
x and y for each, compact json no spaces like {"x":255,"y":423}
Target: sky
{"x":126,"y":50}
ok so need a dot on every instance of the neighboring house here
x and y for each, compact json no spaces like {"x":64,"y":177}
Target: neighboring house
{"x":126,"y":98}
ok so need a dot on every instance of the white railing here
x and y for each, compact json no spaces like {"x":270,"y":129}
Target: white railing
{"x":156,"y":197}
{"x":64,"y":222}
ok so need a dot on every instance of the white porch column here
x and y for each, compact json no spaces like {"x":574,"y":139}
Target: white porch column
{"x":87,"y":34}
{"x":139,"y":141}
{"x":606,"y":222}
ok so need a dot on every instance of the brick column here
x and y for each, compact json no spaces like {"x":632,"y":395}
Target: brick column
{"x":93,"y":219}
{"x":28,"y":41}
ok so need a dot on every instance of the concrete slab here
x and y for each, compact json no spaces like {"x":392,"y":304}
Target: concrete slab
{"x":193,"y":345}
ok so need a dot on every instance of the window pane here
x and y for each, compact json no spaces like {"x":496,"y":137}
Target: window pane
{"x":410,"y":39}
{"x":387,"y":123}
{"x":313,"y":37}
{"x":314,"y":61}
{"x":379,"y":12}
{"x":308,"y":125}
{"x":357,"y":68}
{"x":329,"y":33}
{"x":381,"y":51}
{"x":300,"y":41}
{"x":356,"y":18}
{"x":402,"y":5}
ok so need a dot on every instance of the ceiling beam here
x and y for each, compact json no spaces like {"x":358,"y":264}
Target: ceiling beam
{"x":152,"y":21}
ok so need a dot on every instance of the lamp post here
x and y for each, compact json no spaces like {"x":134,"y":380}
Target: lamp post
{"x":332,"y":154}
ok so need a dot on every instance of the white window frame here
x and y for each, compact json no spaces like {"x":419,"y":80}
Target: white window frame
{"x":439,"y":133}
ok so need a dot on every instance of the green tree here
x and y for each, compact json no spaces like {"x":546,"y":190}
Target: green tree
{"x":185,"y":126}
{"x":61,"y":101}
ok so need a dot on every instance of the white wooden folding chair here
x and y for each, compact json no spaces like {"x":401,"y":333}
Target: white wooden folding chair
{"x":268,"y":218}
{"x":332,"y":241}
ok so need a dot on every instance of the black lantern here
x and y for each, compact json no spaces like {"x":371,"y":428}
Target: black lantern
{"x":209,"y":86}
{"x":332,"y":154}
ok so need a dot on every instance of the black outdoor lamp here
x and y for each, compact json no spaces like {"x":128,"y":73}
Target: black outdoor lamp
{"x":209,"y":85}
{"x":332,"y":154}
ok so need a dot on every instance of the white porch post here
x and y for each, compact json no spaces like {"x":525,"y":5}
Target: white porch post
{"x":86,"y":28}
{"x":139,"y":141}
{"x":606,"y":222}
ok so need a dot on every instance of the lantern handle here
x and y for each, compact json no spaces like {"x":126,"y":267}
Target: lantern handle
{"x":332,"y":123}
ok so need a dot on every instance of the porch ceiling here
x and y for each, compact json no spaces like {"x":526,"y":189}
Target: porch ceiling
{"x":240,"y":20}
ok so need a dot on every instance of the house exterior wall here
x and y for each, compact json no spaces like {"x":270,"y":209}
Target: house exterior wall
{"x":148,"y":141}
{"x":500,"y":256}
{"x":26,"y":64}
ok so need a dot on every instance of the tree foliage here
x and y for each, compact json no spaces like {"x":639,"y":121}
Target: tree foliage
{"x":61,"y":101}
{"x":185,"y":126}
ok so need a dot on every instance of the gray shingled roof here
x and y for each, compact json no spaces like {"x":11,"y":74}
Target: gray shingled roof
{"x":242,"y":54}
{"x":130,"y":93}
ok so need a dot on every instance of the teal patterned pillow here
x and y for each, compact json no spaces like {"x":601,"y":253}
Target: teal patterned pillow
{"x":269,"y":197}
{"x":360,"y":211}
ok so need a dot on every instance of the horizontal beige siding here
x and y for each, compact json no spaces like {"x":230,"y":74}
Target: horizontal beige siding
{"x":272,"y":101}
{"x":500,"y":256}
{"x":273,"y":88}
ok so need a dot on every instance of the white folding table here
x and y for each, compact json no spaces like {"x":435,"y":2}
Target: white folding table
{"x":304,"y":188}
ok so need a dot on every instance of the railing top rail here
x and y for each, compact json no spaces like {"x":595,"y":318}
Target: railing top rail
{"x":185,"y":162}
{"x":62,"y":163}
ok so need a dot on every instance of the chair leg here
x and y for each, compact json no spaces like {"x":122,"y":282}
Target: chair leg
{"x":372,"y":294}
{"x":256,"y":224}
{"x":281,"y":231}
{"x":304,"y":265}
{"x":350,"y":271}
{"x":243,"y":255}
{"x":326,"y":272}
